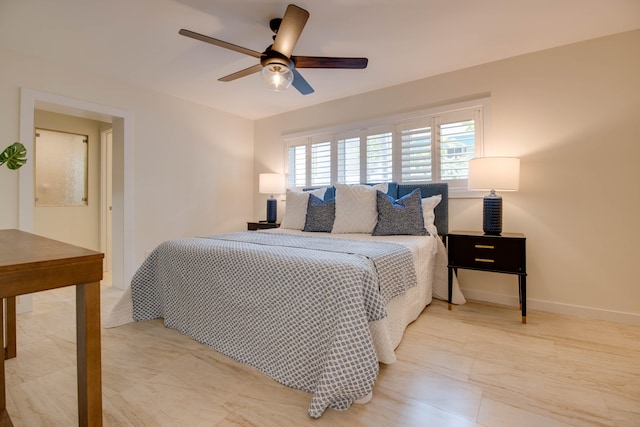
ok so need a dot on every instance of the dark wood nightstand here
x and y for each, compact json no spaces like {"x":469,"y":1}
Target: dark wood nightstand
{"x":262,"y":225}
{"x":500,"y":254}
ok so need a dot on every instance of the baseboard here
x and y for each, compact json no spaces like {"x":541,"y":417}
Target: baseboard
{"x":555,"y":307}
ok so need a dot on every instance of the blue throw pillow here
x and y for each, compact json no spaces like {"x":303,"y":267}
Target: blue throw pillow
{"x":320,"y":214}
{"x":402,"y":216}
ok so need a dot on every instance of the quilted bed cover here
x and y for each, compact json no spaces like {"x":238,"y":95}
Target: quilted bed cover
{"x":297,"y":308}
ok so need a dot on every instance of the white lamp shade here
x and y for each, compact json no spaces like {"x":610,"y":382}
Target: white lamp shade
{"x":271,"y":183}
{"x":494,"y":173}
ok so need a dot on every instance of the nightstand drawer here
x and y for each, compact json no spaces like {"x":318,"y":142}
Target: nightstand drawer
{"x":505,"y":255}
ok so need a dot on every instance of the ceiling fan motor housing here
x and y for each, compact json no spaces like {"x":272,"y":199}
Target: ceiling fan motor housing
{"x":271,"y":57}
{"x":274,"y":24}
{"x":277,"y":64}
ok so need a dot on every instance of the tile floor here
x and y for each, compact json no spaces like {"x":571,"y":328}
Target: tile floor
{"x":474,"y":366}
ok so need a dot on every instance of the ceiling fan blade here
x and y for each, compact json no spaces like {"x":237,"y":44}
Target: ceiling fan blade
{"x":242,"y":73}
{"x":220,"y":43}
{"x":329,"y":62}
{"x":301,"y":84}
{"x":291,"y":26}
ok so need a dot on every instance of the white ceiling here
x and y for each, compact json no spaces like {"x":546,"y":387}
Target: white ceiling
{"x":137,"y":41}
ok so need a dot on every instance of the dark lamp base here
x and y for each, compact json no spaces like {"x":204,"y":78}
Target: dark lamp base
{"x":272,"y":210}
{"x":492,"y":215}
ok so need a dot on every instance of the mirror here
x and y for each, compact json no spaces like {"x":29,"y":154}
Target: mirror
{"x":61,"y":168}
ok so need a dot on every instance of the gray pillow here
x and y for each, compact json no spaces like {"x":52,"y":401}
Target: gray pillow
{"x":320,"y":214}
{"x":402,"y":216}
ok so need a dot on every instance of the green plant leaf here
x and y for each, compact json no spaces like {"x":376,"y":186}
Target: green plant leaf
{"x":14,"y":156}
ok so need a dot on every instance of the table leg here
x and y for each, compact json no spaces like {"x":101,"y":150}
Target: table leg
{"x":10,"y":349}
{"x":3,"y":396}
{"x":89,"y":356}
{"x":522,"y":281}
{"x":450,"y":287}
{"x":5,"y":420}
{"x":519,"y":293}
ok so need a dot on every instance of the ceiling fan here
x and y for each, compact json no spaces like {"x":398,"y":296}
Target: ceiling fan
{"x":278,"y":67}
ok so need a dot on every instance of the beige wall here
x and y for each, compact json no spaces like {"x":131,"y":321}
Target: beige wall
{"x":192,"y":166}
{"x":571,"y":115}
{"x":78,"y":225}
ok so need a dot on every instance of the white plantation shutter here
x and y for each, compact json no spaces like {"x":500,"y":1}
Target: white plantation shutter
{"x":349,"y":160}
{"x":321,"y":163}
{"x":379,"y":157}
{"x":416,"y":141}
{"x":457,"y":147}
{"x":429,"y":146}
{"x":297,"y":166}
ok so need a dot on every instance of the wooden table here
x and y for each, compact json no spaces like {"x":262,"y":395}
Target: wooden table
{"x":30,"y":263}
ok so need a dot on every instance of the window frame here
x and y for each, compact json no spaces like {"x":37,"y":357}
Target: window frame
{"x":478,"y":109}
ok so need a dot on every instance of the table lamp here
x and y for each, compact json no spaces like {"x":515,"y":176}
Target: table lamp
{"x":271,"y":183}
{"x":493,"y":173}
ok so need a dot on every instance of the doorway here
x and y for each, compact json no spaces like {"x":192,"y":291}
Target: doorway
{"x":67,"y":160}
{"x":122,"y":170}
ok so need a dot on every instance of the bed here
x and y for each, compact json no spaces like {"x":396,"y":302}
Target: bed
{"x":316,"y":311}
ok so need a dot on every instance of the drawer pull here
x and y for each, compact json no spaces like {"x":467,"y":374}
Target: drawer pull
{"x":485,"y":247}
{"x":484,"y":260}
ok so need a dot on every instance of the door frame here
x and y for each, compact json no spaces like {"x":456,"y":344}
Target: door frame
{"x":106,"y":171}
{"x":122,"y":122}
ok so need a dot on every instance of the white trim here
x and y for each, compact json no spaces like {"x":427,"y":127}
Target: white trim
{"x":555,"y":307}
{"x":32,"y":99}
{"x":106,"y":171}
{"x":479,"y":109}
{"x":484,"y":103}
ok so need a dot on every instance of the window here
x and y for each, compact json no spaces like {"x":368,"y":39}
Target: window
{"x":457,"y":147}
{"x":349,"y":160}
{"x":379,"y":164}
{"x":416,"y":152}
{"x":297,"y":166}
{"x":321,"y":163}
{"x":428,"y":146}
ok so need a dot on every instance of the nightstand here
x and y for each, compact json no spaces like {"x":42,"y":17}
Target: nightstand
{"x":499,"y":254}
{"x":262,"y":225}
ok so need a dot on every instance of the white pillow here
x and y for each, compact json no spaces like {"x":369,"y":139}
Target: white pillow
{"x":356,"y":208}
{"x":428,"y":205}
{"x":296,"y":208}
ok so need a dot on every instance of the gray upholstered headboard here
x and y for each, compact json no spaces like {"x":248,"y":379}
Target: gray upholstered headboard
{"x":398,"y":190}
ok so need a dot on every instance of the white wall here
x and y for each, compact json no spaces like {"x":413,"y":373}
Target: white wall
{"x":193,"y":166}
{"x":571,"y":115}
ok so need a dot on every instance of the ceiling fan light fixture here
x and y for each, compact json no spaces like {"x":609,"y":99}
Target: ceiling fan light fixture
{"x":278,"y":67}
{"x":277,"y":76}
